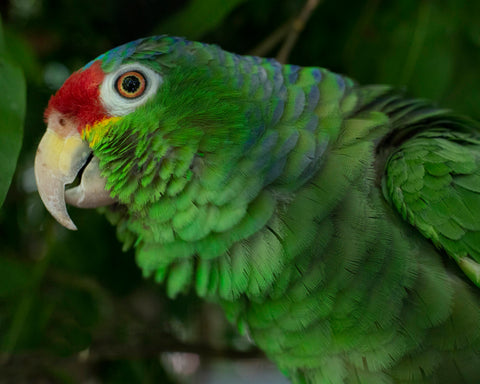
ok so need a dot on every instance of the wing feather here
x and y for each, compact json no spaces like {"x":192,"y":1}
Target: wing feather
{"x":433,"y":180}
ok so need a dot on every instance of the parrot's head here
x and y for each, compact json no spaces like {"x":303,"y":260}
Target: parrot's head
{"x":135,"y":124}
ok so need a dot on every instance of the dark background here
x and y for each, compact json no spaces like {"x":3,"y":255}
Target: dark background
{"x":73,"y":307}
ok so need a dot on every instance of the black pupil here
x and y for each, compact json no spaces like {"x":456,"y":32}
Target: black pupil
{"x":131,"y":84}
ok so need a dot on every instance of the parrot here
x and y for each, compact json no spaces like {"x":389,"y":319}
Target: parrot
{"x":336,"y":224}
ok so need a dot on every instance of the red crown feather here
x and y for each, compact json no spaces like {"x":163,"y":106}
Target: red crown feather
{"x":79,"y":97}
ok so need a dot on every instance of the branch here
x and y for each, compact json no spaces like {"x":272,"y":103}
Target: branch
{"x":267,"y":45}
{"x":168,"y":344}
{"x":297,"y":27}
{"x":36,"y":362}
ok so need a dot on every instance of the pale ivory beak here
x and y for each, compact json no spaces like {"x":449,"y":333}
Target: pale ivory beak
{"x":60,"y":156}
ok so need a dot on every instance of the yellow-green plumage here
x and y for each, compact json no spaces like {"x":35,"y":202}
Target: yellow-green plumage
{"x":339,"y":223}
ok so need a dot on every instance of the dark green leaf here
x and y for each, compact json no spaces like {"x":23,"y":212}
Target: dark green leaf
{"x":12,"y":112}
{"x":198,"y":18}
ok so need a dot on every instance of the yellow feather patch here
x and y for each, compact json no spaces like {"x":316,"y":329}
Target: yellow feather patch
{"x":94,"y":133}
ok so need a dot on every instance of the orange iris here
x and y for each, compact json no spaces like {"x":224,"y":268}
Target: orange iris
{"x":131,"y":84}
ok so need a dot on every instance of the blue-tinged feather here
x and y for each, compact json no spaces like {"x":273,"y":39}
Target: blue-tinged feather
{"x":313,"y":98}
{"x":317,"y":74}
{"x":292,"y":73}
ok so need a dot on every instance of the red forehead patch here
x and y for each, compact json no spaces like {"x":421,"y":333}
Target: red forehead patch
{"x":79,"y":97}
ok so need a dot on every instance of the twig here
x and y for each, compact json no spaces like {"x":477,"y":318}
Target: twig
{"x":418,"y":42}
{"x":297,"y":27}
{"x":267,"y":45}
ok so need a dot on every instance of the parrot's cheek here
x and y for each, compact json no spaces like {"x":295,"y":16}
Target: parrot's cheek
{"x":61,"y":156}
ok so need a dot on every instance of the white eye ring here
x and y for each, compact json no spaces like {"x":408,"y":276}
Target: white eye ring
{"x":117,"y":103}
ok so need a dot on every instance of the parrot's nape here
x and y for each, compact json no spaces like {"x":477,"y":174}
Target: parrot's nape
{"x":337,"y":223}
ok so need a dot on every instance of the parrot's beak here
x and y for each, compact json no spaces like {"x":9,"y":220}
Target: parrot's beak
{"x":61,"y":156}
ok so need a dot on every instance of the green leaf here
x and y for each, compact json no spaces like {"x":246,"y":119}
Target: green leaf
{"x":12,"y":112}
{"x":2,"y":42}
{"x":198,"y":18}
{"x":20,"y":52}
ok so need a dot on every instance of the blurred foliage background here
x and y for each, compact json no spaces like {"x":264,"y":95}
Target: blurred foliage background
{"x":73,"y":307}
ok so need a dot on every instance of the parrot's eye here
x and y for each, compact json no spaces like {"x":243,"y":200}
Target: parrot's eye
{"x":131,"y":84}
{"x":128,"y":87}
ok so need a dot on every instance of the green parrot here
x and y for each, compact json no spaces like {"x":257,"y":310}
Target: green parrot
{"x":337,"y":224}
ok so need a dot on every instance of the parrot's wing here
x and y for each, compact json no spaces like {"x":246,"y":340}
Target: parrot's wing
{"x":433,"y":180}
